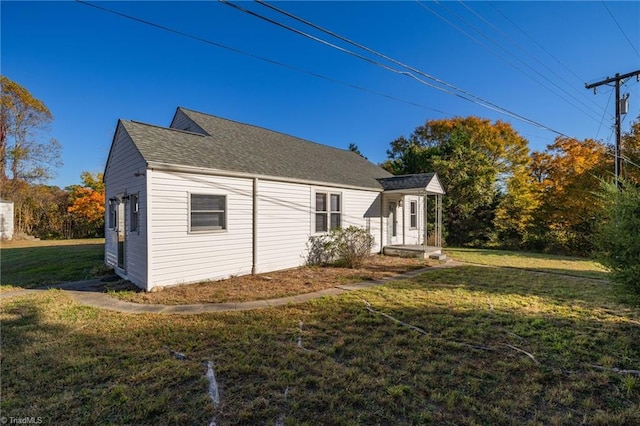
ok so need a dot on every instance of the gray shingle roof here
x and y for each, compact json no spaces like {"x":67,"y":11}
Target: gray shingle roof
{"x":243,"y":148}
{"x":408,"y":182}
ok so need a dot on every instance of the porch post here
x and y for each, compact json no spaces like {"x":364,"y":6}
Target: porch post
{"x":424,"y":225}
{"x":381,"y":222}
{"x":439,"y":220}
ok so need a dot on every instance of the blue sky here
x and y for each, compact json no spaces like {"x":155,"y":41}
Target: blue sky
{"x":531,"y":58}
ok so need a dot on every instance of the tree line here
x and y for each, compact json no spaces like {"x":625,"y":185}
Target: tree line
{"x":28,"y":159}
{"x":498,"y":192}
{"x":501,"y":194}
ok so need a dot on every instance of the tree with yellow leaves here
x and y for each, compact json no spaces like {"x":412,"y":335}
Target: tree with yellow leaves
{"x":568,"y":176}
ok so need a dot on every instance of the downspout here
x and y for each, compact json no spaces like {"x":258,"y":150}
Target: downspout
{"x":254,"y":260}
{"x":381,"y":222}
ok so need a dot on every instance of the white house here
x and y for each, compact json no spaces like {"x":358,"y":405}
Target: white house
{"x":208,"y":198}
{"x":6,"y":220}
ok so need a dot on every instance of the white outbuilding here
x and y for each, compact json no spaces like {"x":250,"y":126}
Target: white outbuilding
{"x":6,"y":220}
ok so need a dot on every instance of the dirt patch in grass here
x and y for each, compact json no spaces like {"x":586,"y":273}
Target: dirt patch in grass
{"x":290,"y":282}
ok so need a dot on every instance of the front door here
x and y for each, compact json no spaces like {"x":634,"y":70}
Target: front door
{"x":121,"y":230}
{"x":393,"y":223}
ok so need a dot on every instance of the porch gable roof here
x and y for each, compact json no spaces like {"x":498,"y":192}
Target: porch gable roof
{"x":413,"y":184}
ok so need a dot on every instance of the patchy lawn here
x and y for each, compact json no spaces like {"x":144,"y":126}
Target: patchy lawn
{"x":463,"y":346}
{"x":566,"y":265}
{"x":291,"y":282}
{"x":30,"y":264}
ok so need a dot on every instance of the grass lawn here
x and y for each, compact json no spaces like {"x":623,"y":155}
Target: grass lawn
{"x":475,"y":345}
{"x":30,"y":264}
{"x":577,"y":266}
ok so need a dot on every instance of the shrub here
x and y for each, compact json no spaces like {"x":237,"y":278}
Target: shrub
{"x":347,"y":247}
{"x":617,"y":239}
{"x":320,"y":250}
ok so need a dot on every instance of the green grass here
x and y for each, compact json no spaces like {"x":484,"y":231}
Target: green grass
{"x":38,"y":263}
{"x":567,"y":265}
{"x":354,"y":366}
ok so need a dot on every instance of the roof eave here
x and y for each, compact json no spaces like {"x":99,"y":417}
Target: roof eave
{"x":218,"y":172}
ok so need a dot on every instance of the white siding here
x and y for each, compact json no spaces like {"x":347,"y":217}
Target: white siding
{"x":284,"y":224}
{"x":6,"y":220}
{"x":124,"y":163}
{"x":435,"y":186}
{"x":286,"y":214}
{"x":362,"y":209}
{"x":413,"y":236}
{"x":178,"y":256}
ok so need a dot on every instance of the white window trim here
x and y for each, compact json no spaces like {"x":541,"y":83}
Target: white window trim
{"x":328,"y":192}
{"x":413,"y":203}
{"x":135,"y":222}
{"x":112,"y":206}
{"x":208,"y":231}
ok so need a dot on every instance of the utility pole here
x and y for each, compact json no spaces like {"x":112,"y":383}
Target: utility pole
{"x":617,"y":80}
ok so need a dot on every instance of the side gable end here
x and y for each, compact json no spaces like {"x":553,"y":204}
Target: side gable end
{"x":182,"y":121}
{"x":123,"y":153}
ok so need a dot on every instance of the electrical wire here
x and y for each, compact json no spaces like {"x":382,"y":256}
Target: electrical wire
{"x":620,"y":28}
{"x":602,"y":120}
{"x":510,"y":63}
{"x":471,"y":98}
{"x":261,"y":58}
{"x":520,"y":47}
{"x":581,"y":79}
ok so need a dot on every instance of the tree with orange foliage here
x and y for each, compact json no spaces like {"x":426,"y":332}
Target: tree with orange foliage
{"x":482,"y":166}
{"x":631,"y":153}
{"x":88,"y":205}
{"x":567,"y":177}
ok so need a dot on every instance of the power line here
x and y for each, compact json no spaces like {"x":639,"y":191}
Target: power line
{"x":595,"y":118}
{"x":618,"y":80}
{"x":261,"y":58}
{"x":620,"y":28}
{"x":581,"y":79}
{"x":601,"y":121}
{"x":470,"y":97}
{"x":519,"y":46}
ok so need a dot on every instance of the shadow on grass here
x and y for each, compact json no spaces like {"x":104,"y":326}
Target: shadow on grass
{"x":554,"y":264}
{"x":61,"y":363}
{"x":327,"y":362}
{"x":555,"y":285}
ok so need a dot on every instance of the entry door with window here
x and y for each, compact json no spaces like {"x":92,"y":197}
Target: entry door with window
{"x":121,"y":231}
{"x":393,"y":223}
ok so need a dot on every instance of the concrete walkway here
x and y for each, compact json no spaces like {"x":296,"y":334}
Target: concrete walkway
{"x":86,"y":292}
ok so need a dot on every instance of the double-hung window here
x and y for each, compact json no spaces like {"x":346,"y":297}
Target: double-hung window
{"x":135,"y":212}
{"x":328,"y":211}
{"x":113,"y":204}
{"x":413,"y":214}
{"x":207,"y":212}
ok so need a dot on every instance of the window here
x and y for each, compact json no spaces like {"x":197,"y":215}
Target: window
{"x":328,"y":211}
{"x":112,"y":213}
{"x":413,"y":214}
{"x":208,"y":212}
{"x":135,"y":212}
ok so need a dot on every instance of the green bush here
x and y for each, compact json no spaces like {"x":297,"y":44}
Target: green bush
{"x":618,"y":235}
{"x":348,"y":247}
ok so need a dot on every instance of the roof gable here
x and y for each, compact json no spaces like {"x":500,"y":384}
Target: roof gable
{"x":247,"y":149}
{"x":416,"y":182}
